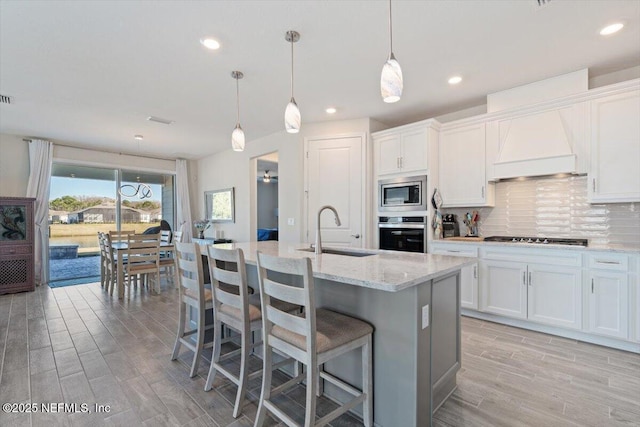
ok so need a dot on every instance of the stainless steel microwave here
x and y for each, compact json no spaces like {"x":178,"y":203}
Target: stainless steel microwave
{"x":402,"y":194}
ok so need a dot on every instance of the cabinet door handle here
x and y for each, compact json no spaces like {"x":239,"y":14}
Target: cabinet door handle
{"x":607,"y":262}
{"x":398,"y":162}
{"x":355,"y":236}
{"x":401,"y":161}
{"x":524,"y":278}
{"x":593,"y":184}
{"x":452,"y":251}
{"x":591,"y":285}
{"x":482,"y":192}
{"x":529,"y":278}
{"x":475,"y":271}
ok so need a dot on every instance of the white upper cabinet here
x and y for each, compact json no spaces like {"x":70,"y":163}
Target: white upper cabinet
{"x":400,"y":150}
{"x":614,"y":174}
{"x":463,"y":180}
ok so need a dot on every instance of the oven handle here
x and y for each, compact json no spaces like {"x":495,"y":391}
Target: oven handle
{"x":403,"y":225}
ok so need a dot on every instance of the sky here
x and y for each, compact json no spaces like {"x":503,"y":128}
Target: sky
{"x":64,"y":186}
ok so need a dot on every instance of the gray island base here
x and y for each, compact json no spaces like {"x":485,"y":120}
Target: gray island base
{"x":413,"y":301}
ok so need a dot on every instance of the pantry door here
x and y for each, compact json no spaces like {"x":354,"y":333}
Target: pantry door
{"x":334,"y":169}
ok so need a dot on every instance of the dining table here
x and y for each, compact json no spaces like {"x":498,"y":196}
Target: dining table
{"x":120,"y":249}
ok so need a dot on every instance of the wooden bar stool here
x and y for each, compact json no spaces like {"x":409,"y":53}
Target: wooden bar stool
{"x":192,"y":294}
{"x":237,"y":310}
{"x":313,"y":339}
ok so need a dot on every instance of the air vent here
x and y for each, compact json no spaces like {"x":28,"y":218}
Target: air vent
{"x":159,"y":120}
{"x":4,"y":99}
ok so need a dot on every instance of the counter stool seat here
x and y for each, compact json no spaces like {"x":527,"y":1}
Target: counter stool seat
{"x":235,"y":309}
{"x":312,"y":338}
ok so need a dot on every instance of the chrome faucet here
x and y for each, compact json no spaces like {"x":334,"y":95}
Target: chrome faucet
{"x":318,"y":238}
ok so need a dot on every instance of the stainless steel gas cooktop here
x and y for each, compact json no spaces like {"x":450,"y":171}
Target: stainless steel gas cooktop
{"x":538,"y":240}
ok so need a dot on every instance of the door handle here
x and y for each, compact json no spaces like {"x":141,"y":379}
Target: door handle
{"x":591,"y":285}
{"x":524,"y":278}
{"x":529,"y":278}
{"x":355,"y":236}
{"x":475,"y":271}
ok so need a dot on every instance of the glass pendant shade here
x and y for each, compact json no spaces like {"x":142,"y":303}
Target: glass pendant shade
{"x":237,"y":139}
{"x":292,"y":117}
{"x":391,"y":80}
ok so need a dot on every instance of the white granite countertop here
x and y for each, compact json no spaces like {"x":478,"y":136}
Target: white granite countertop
{"x":591,"y":247}
{"x":390,"y":271}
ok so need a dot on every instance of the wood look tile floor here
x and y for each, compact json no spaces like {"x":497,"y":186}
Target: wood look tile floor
{"x":78,"y":345}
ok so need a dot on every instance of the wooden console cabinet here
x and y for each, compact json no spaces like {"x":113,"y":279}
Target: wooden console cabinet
{"x":16,"y":245}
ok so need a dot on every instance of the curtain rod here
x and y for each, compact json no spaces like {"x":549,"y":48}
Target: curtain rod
{"x":110,"y":152}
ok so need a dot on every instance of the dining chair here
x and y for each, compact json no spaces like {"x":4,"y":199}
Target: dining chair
{"x":111,"y":264}
{"x":177,"y":236}
{"x":312,"y":338}
{"x":143,"y":259}
{"x":103,"y":260}
{"x":193,"y":294}
{"x":120,"y":236}
{"x":167,"y":261}
{"x":236,"y":309}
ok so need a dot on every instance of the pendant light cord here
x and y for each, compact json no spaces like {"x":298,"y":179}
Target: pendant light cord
{"x":390,"y":31}
{"x":292,"y":67}
{"x":238,"y":100}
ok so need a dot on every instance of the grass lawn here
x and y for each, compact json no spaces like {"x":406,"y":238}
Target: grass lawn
{"x":72,"y":230}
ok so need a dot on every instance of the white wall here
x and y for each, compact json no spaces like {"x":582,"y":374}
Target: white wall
{"x":14,"y":166}
{"x":233,"y":169}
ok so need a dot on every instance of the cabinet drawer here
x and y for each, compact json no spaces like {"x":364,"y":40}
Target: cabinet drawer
{"x":16,"y":250}
{"x":533,"y":256}
{"x":454,"y":250}
{"x":609,"y":261}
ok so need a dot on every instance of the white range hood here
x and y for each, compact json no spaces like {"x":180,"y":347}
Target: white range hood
{"x":542,"y":142}
{"x":535,"y":145}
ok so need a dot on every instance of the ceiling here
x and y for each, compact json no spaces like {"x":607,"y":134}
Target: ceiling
{"x":90,"y":73}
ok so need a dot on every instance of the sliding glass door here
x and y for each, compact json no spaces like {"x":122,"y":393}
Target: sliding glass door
{"x":87,"y":200}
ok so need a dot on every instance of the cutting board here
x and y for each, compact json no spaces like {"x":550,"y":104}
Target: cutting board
{"x":465,"y":239}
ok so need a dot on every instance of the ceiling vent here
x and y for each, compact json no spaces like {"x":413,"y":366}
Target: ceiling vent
{"x":159,"y":120}
{"x":4,"y":99}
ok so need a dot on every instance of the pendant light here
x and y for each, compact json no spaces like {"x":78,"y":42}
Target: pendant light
{"x":237,"y":137}
{"x":266,"y":178}
{"x":292,"y":119}
{"x":391,"y":79}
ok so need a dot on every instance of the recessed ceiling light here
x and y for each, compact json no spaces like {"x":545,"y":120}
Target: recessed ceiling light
{"x":138,"y":137}
{"x":611,"y":29}
{"x":331,"y":110}
{"x":455,"y":80}
{"x":209,"y":43}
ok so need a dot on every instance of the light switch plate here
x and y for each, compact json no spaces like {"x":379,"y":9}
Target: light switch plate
{"x":291,"y":221}
{"x":425,"y":316}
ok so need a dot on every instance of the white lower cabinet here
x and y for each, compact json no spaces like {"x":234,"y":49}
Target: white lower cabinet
{"x":543,"y":293}
{"x":504,"y":288}
{"x":555,"y":295}
{"x":468,"y":275}
{"x":608,"y":302}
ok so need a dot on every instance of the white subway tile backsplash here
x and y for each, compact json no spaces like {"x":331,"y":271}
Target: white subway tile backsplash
{"x":556,"y":207}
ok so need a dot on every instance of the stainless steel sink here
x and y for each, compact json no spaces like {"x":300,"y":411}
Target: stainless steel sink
{"x":339,"y":252}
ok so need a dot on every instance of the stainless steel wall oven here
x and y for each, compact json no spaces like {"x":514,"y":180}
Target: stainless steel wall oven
{"x":404,"y":233}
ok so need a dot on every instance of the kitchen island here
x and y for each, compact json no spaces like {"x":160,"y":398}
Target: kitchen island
{"x":413,"y":302}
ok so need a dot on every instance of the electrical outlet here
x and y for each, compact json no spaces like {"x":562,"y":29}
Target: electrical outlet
{"x":291,"y":221}
{"x":425,"y":316}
